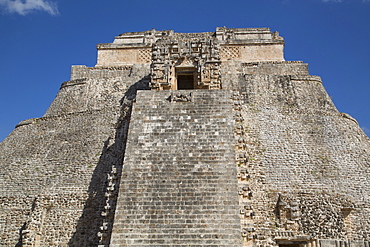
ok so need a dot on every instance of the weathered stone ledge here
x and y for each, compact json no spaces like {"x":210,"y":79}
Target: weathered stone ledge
{"x":306,"y":78}
{"x":346,"y":115}
{"x":55,"y":117}
{"x":75,"y":82}
{"x":100,"y":67}
{"x":251,"y":42}
{"x":27,"y":122}
{"x":271,"y":62}
{"x":122,"y":46}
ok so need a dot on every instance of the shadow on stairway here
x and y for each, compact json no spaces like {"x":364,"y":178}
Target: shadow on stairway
{"x":94,"y":227}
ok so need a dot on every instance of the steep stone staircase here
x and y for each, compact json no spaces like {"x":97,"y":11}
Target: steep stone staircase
{"x":179,"y":183}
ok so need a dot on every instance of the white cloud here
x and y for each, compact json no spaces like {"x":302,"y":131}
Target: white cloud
{"x":24,"y":7}
{"x":366,"y":130}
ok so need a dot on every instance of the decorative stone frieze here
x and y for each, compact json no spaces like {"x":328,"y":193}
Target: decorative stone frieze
{"x":172,"y":55}
{"x":180,"y":97}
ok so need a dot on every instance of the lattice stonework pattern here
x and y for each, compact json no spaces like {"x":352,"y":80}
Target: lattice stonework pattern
{"x":230,"y":52}
{"x":145,"y":55}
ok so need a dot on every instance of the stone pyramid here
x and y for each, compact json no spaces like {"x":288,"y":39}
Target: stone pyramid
{"x":188,"y":139}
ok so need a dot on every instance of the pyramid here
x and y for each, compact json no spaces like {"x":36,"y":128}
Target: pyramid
{"x":188,"y":139}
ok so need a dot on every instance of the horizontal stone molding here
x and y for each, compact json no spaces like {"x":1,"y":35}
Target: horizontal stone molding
{"x":55,"y":117}
{"x":250,"y":42}
{"x":269,"y":62}
{"x":122,"y":46}
{"x":27,"y":122}
{"x":306,"y":78}
{"x":73,"y":83}
{"x":346,"y":115}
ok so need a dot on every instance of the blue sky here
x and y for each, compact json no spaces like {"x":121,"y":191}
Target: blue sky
{"x":40,"y":40}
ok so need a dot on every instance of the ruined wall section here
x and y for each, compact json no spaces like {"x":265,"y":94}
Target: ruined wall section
{"x":307,"y":163}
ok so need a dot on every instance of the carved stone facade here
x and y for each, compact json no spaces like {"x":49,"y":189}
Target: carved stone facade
{"x":197,"y":56}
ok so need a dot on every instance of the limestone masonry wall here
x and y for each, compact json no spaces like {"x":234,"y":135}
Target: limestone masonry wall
{"x":301,"y":158}
{"x":53,"y":188}
{"x":93,"y":89}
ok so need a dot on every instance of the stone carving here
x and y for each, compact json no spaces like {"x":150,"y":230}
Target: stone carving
{"x":31,"y":229}
{"x":276,"y":36}
{"x":226,"y":33}
{"x":110,"y":195}
{"x":230,"y":52}
{"x":181,"y":97}
{"x":145,"y":55}
{"x":245,"y":191}
{"x":238,"y":117}
{"x":243,"y":174}
{"x":287,"y":213}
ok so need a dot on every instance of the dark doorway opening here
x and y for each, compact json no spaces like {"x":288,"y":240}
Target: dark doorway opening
{"x":185,"y":81}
